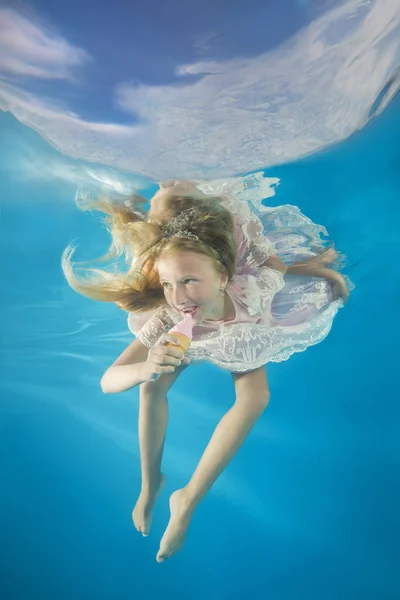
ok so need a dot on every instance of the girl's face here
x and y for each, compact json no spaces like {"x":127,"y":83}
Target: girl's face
{"x":190,"y":279}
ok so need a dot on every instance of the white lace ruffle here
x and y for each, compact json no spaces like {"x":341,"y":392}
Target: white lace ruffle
{"x":247,"y":346}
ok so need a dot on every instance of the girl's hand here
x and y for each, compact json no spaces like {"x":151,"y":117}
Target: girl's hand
{"x":162,"y":358}
{"x":339,"y":287}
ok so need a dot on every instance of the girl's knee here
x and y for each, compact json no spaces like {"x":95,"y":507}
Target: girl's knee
{"x":256,"y":402}
{"x":261,"y":402}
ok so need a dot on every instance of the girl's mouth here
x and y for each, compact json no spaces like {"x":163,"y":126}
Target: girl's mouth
{"x":190,"y":310}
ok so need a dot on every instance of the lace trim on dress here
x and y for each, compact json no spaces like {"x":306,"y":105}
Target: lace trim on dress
{"x":257,"y":291}
{"x":244,"y":346}
{"x":160,"y":322}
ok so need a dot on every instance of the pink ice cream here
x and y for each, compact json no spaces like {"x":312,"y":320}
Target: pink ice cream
{"x":185,"y":327}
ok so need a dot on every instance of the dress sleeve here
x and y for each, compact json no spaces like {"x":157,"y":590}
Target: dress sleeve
{"x":260,"y":247}
{"x":148,"y":327}
{"x":254,"y":248}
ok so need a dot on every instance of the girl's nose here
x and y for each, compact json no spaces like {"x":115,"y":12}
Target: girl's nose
{"x":179,"y":297}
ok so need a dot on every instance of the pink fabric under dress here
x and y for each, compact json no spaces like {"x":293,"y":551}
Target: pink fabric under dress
{"x":275,"y":317}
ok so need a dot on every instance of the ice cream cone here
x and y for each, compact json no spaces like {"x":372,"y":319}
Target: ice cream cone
{"x":183,"y":332}
{"x":184,"y":341}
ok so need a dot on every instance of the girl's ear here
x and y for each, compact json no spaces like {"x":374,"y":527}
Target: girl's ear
{"x":224,"y":281}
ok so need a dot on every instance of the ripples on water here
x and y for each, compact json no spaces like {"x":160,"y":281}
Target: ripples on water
{"x":216,"y":117}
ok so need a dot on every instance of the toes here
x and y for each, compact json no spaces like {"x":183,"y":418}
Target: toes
{"x":142,"y":529}
{"x":162,"y":555}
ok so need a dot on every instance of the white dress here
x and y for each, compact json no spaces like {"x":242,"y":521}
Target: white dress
{"x":275,"y":316}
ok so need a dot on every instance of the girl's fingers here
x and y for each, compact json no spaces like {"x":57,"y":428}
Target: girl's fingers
{"x":168,"y":338}
{"x":170,"y":357}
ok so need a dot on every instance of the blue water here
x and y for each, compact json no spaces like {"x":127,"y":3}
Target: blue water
{"x":309,"y":508}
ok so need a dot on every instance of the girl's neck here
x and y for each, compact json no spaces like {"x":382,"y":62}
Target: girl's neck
{"x":225,"y":311}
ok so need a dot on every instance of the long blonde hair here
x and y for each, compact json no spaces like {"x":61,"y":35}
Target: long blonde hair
{"x":142,"y":242}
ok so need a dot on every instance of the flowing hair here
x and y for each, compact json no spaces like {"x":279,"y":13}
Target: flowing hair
{"x":141,"y":242}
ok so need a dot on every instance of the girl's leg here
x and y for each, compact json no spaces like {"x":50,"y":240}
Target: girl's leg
{"x":153,"y":419}
{"x":229,"y":435}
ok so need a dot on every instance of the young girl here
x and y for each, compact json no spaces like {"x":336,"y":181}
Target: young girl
{"x":259,"y":280}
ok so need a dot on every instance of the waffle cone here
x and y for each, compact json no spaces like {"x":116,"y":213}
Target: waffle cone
{"x":184,"y":342}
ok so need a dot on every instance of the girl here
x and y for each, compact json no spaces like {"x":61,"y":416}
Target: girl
{"x":259,"y":280}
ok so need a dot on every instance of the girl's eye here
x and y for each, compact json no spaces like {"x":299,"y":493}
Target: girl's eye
{"x":165,"y":284}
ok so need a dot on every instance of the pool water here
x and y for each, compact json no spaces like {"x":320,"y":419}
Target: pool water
{"x":309,"y":508}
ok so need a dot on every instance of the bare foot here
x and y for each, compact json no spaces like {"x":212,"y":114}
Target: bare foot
{"x":143,"y":511}
{"x":175,"y":534}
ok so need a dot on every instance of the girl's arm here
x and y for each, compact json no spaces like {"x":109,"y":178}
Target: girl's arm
{"x":311,"y":270}
{"x":137,"y":364}
{"x":127,"y":371}
{"x":307,"y":268}
{"x":274,"y":262}
{"x":312,"y":267}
